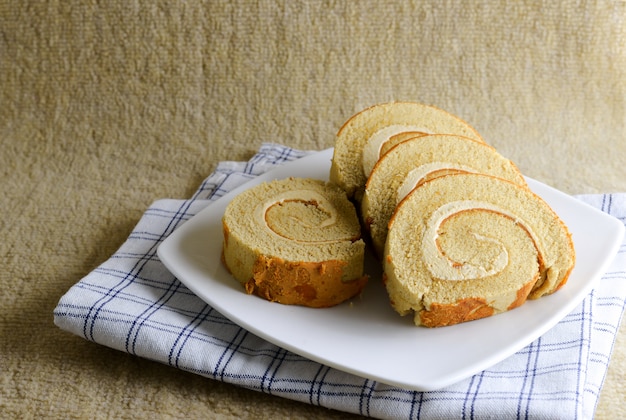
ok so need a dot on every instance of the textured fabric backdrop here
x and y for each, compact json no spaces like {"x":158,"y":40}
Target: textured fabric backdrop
{"x":108,"y":106}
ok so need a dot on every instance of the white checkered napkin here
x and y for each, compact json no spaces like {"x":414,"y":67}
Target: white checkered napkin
{"x":132,"y":303}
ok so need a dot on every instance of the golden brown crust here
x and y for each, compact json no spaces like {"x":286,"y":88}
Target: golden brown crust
{"x":522,"y":294}
{"x":313,"y":284}
{"x":467,"y":309}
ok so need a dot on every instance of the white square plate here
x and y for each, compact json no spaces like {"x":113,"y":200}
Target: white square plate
{"x":364,"y":336}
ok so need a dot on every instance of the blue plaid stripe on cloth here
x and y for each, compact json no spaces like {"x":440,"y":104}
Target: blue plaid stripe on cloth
{"x":132,"y":303}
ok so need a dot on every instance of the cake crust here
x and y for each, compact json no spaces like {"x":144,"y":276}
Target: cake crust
{"x":312,"y":284}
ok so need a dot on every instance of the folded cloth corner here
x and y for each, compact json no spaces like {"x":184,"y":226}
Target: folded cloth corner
{"x":132,"y":303}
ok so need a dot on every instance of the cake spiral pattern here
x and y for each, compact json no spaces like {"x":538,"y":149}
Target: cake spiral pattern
{"x":466,"y":246}
{"x":368,"y":134}
{"x":295,"y":241}
{"x":416,"y":160}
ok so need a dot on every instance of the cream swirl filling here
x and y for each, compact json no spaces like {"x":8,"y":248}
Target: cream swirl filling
{"x":420,"y":174}
{"x":373,"y":146}
{"x":303,"y":216}
{"x":443,"y":268}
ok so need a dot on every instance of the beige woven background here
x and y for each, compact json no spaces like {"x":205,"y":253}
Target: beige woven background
{"x":108,"y":106}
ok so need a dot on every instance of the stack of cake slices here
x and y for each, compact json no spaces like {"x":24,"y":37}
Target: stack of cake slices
{"x":458,"y":232}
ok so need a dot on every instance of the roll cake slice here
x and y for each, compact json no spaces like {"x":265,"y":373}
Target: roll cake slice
{"x":466,"y":246}
{"x":360,"y":141}
{"x":295,"y":241}
{"x":416,"y":160}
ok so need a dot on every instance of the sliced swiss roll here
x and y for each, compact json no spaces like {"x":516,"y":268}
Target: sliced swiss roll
{"x":417,"y":160}
{"x":466,"y":246}
{"x":361,"y":140}
{"x":295,"y":241}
